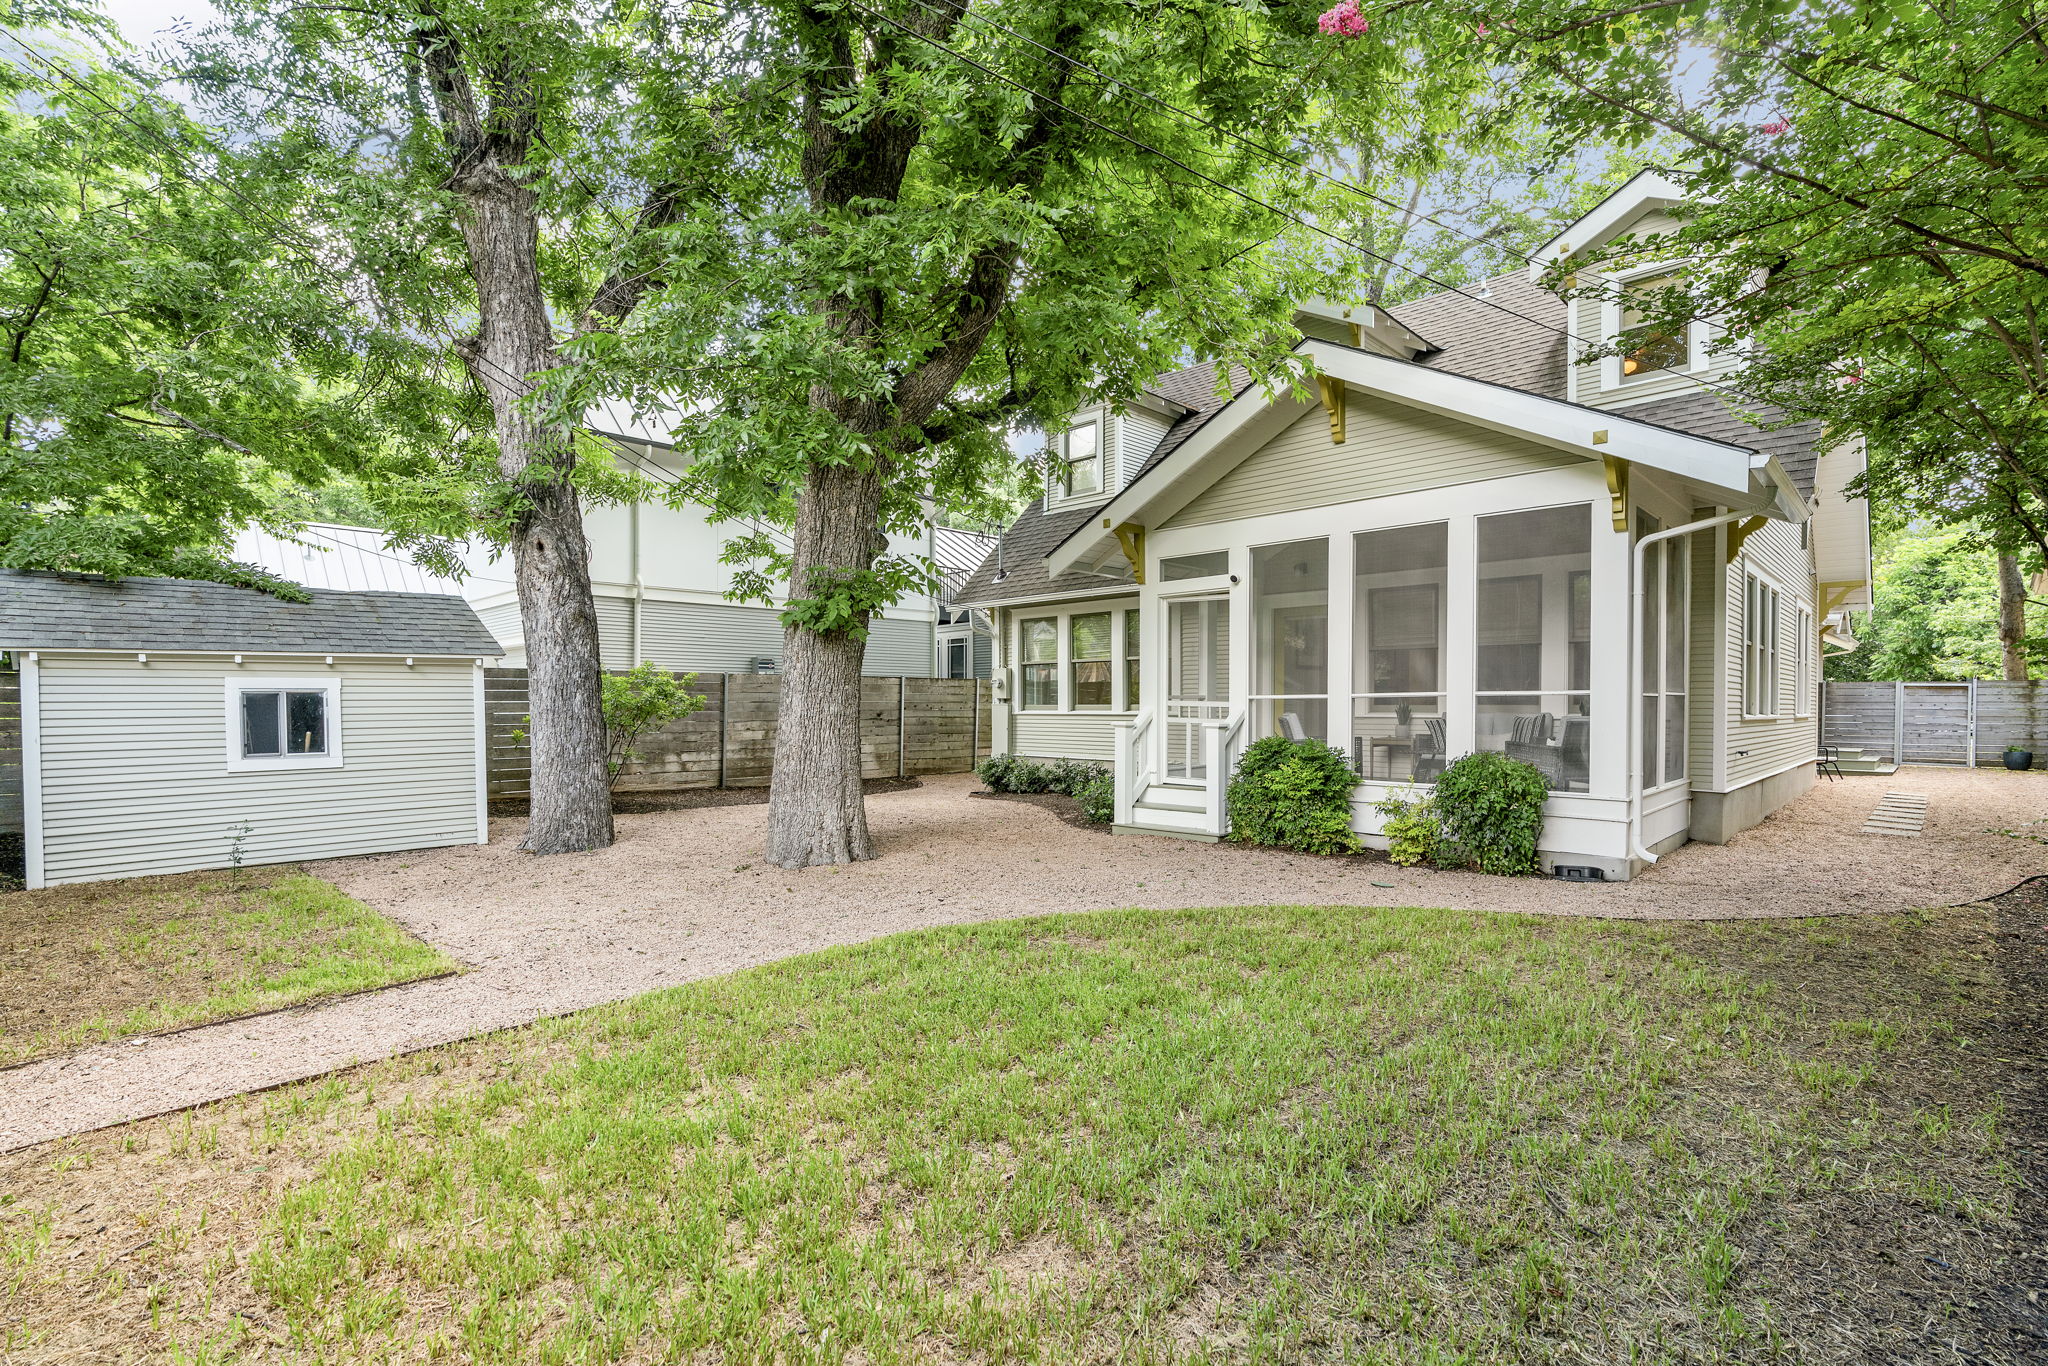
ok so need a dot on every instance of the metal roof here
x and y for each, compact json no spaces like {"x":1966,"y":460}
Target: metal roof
{"x":49,"y":611}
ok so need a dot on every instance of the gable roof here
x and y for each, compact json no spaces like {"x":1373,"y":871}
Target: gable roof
{"x":49,"y":611}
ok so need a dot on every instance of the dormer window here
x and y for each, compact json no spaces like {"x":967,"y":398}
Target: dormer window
{"x":1650,"y":349}
{"x":1081,"y":451}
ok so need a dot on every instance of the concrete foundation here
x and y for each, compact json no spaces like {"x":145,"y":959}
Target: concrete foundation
{"x":1718,"y":815}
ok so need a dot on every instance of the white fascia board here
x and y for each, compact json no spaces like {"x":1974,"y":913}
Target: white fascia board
{"x":1171,"y":409}
{"x":1402,"y":341}
{"x":1644,"y":190}
{"x":1732,"y":475}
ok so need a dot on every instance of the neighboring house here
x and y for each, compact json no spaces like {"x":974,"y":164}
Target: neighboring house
{"x":168,"y":725}
{"x":1457,"y":544}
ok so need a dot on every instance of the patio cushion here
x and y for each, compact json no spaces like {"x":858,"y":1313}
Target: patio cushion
{"x":1531,"y":729}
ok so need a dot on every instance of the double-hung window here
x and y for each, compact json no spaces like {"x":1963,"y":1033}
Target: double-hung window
{"x":1081,"y":474}
{"x":1088,"y":661}
{"x":1038,"y":652}
{"x":1759,"y":647}
{"x":283,"y":723}
{"x":1804,"y":650}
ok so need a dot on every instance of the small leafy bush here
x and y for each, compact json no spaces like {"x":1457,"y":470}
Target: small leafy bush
{"x":1293,"y":795}
{"x":639,"y":702}
{"x":1092,"y":785}
{"x":1490,"y":808}
{"x":1414,"y":833}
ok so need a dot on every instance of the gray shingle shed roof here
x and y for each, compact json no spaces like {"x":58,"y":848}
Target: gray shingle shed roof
{"x":48,"y":611}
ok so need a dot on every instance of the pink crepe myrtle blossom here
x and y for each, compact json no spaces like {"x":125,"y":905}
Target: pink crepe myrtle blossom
{"x":1344,"y":21}
{"x":1774,"y":127}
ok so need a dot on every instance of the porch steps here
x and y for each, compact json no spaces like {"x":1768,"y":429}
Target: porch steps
{"x":1855,"y":760}
{"x":1165,"y":809}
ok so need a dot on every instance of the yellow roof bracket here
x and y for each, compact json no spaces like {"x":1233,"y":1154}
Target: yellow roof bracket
{"x":1738,"y":532}
{"x":1130,"y":538}
{"x":1833,"y":595}
{"x":1617,"y":490}
{"x":1331,"y":390}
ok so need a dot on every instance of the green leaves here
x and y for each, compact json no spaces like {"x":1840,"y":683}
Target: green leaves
{"x":1294,"y":795}
{"x":1490,"y":809}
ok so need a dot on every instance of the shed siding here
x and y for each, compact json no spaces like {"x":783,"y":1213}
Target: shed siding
{"x":1389,"y":448}
{"x":135,"y":779}
{"x":1064,"y":735}
{"x":1759,"y":748}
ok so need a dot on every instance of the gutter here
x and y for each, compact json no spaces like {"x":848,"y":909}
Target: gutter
{"x":1636,"y":848}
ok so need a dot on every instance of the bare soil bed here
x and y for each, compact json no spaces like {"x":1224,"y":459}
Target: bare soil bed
{"x":104,"y":960}
{"x":641,"y":803}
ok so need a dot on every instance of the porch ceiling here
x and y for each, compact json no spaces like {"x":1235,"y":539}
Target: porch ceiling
{"x":1718,"y":472}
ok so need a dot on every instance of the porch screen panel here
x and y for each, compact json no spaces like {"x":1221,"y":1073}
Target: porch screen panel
{"x":1291,"y":640}
{"x":1038,"y":644}
{"x":1397,"y":710}
{"x":1535,"y":640}
{"x":1677,"y":654}
{"x":1650,"y":666}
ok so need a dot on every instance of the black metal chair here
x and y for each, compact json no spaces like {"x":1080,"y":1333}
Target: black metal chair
{"x":1828,"y":762}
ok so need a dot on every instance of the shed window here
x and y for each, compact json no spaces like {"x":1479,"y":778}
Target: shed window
{"x":283,"y":722}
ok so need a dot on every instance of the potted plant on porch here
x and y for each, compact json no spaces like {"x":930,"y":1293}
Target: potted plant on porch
{"x":2018,"y":756}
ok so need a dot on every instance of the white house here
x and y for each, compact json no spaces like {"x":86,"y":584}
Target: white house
{"x":168,"y":725}
{"x":1463,"y":541}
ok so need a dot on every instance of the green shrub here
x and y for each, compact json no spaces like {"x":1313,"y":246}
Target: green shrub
{"x":1414,"y":833}
{"x":1091,"y":784}
{"x":639,"y":702}
{"x":1293,"y":795}
{"x":1491,"y":811}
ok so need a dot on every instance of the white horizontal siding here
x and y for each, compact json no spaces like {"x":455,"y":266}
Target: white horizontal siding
{"x":714,"y":637}
{"x":1759,"y":748}
{"x":1064,"y":735}
{"x":1388,"y":448}
{"x":501,"y":619}
{"x":135,"y":777}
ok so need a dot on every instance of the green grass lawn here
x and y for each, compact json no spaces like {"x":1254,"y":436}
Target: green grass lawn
{"x":106,"y":960}
{"x":1250,"y":1135}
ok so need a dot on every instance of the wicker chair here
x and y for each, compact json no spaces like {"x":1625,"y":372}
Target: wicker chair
{"x":1430,"y":750}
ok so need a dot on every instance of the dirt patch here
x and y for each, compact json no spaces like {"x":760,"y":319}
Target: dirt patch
{"x":697,"y":798}
{"x":1059,"y":804}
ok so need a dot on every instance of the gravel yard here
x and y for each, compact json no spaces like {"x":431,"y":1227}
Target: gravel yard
{"x":683,"y":895}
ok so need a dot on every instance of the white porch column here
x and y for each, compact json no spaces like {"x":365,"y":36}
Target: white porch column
{"x":1461,"y":634}
{"x":1343,"y":584}
{"x":1613,"y":667}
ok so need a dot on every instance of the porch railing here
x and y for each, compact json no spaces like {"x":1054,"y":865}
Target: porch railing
{"x":1132,"y":766}
{"x":1222,"y":742}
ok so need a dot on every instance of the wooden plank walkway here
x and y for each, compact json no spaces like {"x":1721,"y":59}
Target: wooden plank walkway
{"x":1900,"y":813}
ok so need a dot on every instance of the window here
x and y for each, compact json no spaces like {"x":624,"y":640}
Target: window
{"x":1397,"y":636}
{"x":954,"y":662}
{"x":1088,"y":661}
{"x":1649,"y":349}
{"x":1804,"y":650}
{"x":1133,"y":642}
{"x":1204,"y":566}
{"x":1291,"y":640}
{"x":1038,"y":652}
{"x":1759,"y":647}
{"x":1532,"y":701}
{"x":1082,"y":453}
{"x":283,"y":723}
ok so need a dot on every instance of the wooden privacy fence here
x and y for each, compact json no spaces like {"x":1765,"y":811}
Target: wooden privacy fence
{"x":1936,"y":723}
{"x":908,"y":726}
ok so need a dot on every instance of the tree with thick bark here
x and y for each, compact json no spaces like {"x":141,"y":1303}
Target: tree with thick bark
{"x":977,"y":218}
{"x":511,"y":170}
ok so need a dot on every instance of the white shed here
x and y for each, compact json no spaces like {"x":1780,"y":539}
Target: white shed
{"x":169,"y":724}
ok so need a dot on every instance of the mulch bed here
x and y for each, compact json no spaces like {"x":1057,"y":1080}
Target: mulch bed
{"x":1065,"y":807}
{"x":692,"y":798}
{"x":2015,"y":1313}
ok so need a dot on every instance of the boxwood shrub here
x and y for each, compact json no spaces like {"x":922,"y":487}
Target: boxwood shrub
{"x":1293,"y":795}
{"x":1490,"y":811}
{"x":1092,"y":785}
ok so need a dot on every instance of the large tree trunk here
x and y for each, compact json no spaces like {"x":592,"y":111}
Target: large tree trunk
{"x":571,"y":807}
{"x":815,"y":812}
{"x":2012,"y":619}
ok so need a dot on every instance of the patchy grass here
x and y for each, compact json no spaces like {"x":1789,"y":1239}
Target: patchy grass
{"x":107,"y":960}
{"x":1241,"y":1135}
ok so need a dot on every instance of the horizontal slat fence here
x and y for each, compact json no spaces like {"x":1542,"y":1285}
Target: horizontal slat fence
{"x":10,"y":753}
{"x":908,"y":726}
{"x":1932,"y":722}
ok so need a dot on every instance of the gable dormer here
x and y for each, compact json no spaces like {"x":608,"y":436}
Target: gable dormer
{"x":1610,"y":294}
{"x":1103,"y":447}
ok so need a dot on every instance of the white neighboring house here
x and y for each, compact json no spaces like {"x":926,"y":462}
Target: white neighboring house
{"x":1463,"y":542}
{"x":169,"y":725}
{"x":659,"y":588}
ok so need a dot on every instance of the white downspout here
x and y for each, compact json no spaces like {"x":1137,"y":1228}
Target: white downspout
{"x":1636,"y":848}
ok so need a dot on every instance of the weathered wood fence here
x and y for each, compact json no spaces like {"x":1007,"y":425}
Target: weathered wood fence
{"x":10,"y":753}
{"x":1937,"y":723}
{"x":908,"y":726}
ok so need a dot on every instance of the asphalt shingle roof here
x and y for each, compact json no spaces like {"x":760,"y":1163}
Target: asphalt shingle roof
{"x":49,"y":611}
{"x":1518,"y":337}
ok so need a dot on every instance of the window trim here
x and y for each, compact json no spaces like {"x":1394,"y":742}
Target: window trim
{"x":1073,"y":659}
{"x":1055,"y":664}
{"x":1059,"y":482}
{"x":235,"y":685}
{"x":1761,"y":648}
{"x":1803,"y":690}
{"x":1062,"y":615}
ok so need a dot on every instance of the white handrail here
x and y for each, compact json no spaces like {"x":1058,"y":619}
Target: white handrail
{"x":1131,"y":767}
{"x":1219,"y":757}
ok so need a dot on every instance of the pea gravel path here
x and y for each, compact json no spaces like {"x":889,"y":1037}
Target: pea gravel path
{"x":683,"y":895}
